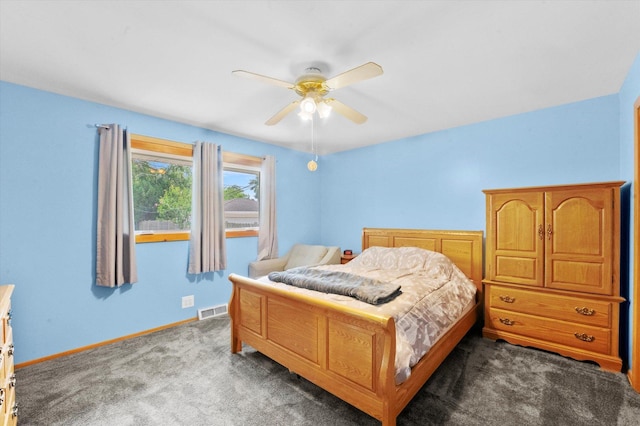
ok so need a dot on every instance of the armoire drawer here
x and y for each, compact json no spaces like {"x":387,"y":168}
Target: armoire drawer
{"x":566,"y":308}
{"x":574,"y":335}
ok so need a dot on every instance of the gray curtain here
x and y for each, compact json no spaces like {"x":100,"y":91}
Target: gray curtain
{"x":268,"y":234}
{"x":207,"y":246}
{"x":115,"y":251}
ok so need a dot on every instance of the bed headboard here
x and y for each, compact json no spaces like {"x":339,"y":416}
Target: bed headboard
{"x":464,"y":248}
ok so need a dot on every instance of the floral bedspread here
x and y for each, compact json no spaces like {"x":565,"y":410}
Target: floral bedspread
{"x":435,"y":293}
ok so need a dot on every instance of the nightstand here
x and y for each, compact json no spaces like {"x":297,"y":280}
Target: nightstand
{"x":346,"y":258}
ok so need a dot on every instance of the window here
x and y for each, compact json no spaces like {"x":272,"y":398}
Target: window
{"x":241,"y":194}
{"x":162,"y":185}
{"x":162,"y":182}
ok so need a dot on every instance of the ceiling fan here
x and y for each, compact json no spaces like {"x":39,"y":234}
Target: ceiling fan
{"x":313,"y":87}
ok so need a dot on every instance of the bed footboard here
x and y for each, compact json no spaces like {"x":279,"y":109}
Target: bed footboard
{"x":344,"y":351}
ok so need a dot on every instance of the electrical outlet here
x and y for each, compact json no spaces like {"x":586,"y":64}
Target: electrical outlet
{"x":188,"y":301}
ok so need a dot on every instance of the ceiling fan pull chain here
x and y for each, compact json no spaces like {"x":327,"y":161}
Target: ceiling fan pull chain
{"x":312,"y":165}
{"x":313,"y":136}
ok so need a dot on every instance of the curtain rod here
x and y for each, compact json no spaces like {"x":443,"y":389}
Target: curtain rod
{"x":101,"y":126}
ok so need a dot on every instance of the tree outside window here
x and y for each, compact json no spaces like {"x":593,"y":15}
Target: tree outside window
{"x":161,"y":195}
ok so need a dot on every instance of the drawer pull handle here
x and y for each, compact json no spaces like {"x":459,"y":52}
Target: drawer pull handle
{"x":541,"y":232}
{"x":10,"y":350}
{"x":507,"y":299}
{"x":14,"y":410}
{"x":585,"y":311}
{"x":12,"y":381}
{"x":506,"y":321}
{"x":584,"y":337}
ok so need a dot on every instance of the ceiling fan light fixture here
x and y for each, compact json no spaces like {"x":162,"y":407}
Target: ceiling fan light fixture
{"x":308,"y":105}
{"x":324,"y":110}
{"x":305,"y":115}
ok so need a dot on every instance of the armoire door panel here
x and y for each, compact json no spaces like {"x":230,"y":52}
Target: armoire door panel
{"x":579,"y":239}
{"x":517,"y":241}
{"x":521,"y":270}
{"x":577,"y":227}
{"x":516,"y":222}
{"x":578,"y":276}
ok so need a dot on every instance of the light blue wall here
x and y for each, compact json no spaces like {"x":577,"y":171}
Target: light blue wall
{"x":48,"y":157}
{"x":48,"y":154}
{"x":435,"y":180}
{"x":628,"y":95}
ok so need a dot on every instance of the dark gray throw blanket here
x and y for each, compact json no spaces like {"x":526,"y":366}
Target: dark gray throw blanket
{"x":365,"y":289}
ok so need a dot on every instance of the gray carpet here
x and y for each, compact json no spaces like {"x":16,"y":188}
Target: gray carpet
{"x":186,"y":375}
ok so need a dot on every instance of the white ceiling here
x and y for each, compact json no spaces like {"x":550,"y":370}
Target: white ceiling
{"x":446,"y":63}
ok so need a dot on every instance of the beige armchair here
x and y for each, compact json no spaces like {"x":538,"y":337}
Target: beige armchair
{"x":299,"y":255}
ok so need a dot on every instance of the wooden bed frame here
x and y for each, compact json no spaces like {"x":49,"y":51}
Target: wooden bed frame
{"x":347,"y":352}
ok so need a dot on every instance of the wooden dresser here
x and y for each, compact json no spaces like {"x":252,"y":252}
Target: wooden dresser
{"x":9,"y":407}
{"x":553,"y":269}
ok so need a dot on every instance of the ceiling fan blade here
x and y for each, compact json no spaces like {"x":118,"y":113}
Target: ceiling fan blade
{"x":363,"y":72}
{"x":282,"y":113}
{"x":346,"y":111}
{"x":263,"y":78}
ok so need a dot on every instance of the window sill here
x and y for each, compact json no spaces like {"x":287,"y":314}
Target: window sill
{"x":242,"y":233}
{"x":160,"y":237}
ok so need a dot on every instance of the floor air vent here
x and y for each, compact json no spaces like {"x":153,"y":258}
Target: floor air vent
{"x":214,"y":311}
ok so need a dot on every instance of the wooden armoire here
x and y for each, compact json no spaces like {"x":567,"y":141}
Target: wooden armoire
{"x":552,"y":272}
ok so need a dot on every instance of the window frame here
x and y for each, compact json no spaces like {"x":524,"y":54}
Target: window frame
{"x":181,"y":149}
{"x":238,"y":162}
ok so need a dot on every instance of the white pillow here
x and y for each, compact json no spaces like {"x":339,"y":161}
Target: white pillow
{"x":302,"y":255}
